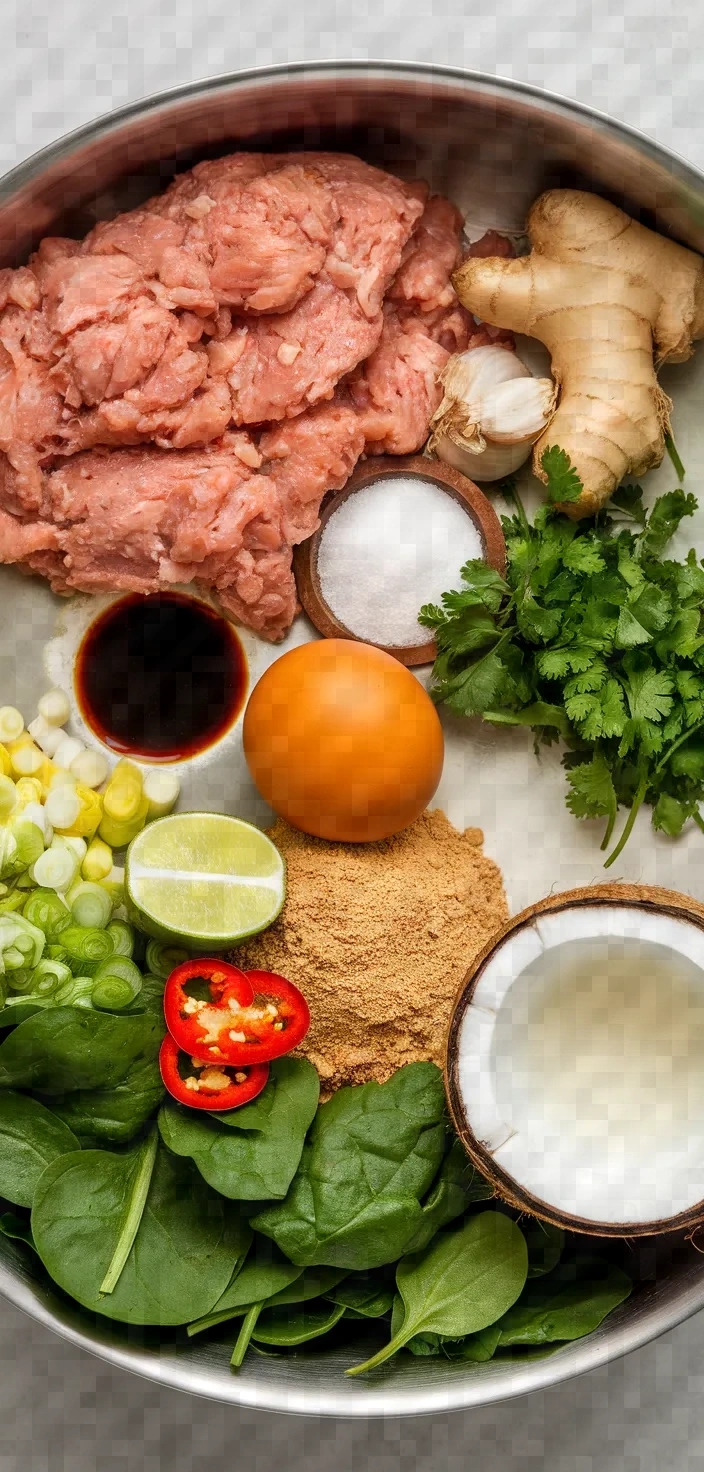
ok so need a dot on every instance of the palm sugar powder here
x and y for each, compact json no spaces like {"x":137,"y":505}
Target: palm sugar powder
{"x":378,"y":937}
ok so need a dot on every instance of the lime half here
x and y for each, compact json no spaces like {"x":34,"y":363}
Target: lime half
{"x":203,"y":879}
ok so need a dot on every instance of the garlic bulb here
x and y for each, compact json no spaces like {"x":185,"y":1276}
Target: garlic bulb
{"x":492,"y":412}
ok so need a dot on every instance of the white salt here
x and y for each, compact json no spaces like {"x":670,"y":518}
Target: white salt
{"x":389,"y":548}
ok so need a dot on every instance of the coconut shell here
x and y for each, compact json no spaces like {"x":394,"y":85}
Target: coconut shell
{"x":634,"y":896}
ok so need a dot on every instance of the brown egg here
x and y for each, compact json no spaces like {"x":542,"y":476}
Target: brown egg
{"x":343,"y":741}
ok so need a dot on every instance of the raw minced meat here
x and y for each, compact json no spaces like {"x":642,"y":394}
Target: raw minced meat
{"x":180,"y":389}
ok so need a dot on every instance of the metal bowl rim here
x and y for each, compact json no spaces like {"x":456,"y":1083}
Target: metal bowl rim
{"x":595,"y":1350}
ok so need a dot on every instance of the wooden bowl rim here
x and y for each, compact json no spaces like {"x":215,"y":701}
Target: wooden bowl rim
{"x":464,"y":491}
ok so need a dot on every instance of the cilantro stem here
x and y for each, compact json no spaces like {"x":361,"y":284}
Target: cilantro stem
{"x":511,"y":495}
{"x":610,"y":827}
{"x":671,"y":448}
{"x":673,"y":747}
{"x":628,"y":829}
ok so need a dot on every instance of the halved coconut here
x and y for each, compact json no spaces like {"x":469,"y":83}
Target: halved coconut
{"x":575,"y":1066}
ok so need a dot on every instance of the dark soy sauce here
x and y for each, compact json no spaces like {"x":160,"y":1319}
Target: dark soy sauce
{"x":161,"y":677}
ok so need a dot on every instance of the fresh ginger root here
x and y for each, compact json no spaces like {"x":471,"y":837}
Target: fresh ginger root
{"x":610,"y":300}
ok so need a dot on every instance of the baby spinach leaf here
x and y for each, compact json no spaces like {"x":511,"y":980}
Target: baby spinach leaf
{"x":245,"y":1160}
{"x":568,"y":1304}
{"x":372,"y":1155}
{"x":478,"y":1347}
{"x":369,"y":1295}
{"x":284,"y":1329}
{"x":184,"y":1249}
{"x":116,"y":1115}
{"x":17,"y":1228}
{"x":456,"y":1186}
{"x":545,"y":1245}
{"x":255,"y":1283}
{"x":463,"y":1282}
{"x":30,"y":1138}
{"x":70,"y":1048}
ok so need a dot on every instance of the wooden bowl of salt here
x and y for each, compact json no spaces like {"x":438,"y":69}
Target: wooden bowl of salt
{"x":393,"y":539}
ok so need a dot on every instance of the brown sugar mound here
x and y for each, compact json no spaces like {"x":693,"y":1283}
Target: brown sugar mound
{"x":378,"y":937}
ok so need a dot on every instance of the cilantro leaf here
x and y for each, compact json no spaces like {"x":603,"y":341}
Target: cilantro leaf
{"x":664,"y":519}
{"x":688,"y":761}
{"x":477,"y":688}
{"x":592,"y":793}
{"x":536,"y":623}
{"x":563,"y":482}
{"x":629,"y":632}
{"x":648,"y":691}
{"x":670,"y":815}
{"x":630,"y":499}
{"x":583,"y":556}
{"x":682,"y":636}
{"x":590,"y":680}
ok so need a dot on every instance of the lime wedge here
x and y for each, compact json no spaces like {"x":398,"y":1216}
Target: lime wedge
{"x":203,"y":879}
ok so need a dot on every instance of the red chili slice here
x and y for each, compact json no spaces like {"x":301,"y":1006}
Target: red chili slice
{"x":233,"y":1017}
{"x":202,"y":1085}
{"x":200,"y":1000}
{"x":277,"y":1021}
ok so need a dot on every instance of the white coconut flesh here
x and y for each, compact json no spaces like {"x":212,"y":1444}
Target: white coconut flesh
{"x":580,"y":1062}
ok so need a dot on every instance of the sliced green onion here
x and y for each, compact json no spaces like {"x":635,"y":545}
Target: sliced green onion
{"x":78,"y":992}
{"x":62,"y":807}
{"x":55,"y":868}
{"x":19,"y":936}
{"x":48,"y":976}
{"x":116,"y":983}
{"x":8,"y":797}
{"x":161,"y":959}
{"x":90,"y":768}
{"x":11,"y":723}
{"x":28,"y":846}
{"x":13,"y":959}
{"x":54,"y":707}
{"x":47,"y":910}
{"x":67,"y":751}
{"x":162,"y":788}
{"x":123,"y":937}
{"x":13,"y":901}
{"x":91,"y":905}
{"x":20,"y":980}
{"x":86,"y":944}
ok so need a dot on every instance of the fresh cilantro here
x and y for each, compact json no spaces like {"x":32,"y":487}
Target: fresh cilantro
{"x":592,"y":638}
{"x":563,"y":482}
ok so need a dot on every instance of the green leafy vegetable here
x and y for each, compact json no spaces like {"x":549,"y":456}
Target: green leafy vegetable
{"x":568,"y":1304}
{"x":251,"y":1153}
{"x":463,"y":1282}
{"x":75,"y":1049}
{"x":285,"y":1330}
{"x":30,"y":1138}
{"x":595,"y":640}
{"x":372,"y":1155}
{"x":17,"y":1228}
{"x":183,"y":1251}
{"x":370,"y":1295}
{"x":116,"y":1115}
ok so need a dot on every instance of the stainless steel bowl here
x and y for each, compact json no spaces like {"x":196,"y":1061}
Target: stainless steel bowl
{"x":492,"y":145}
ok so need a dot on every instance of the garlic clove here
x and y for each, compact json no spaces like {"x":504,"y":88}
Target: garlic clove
{"x":492,"y":463}
{"x":517,"y":411}
{"x":467,"y":380}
